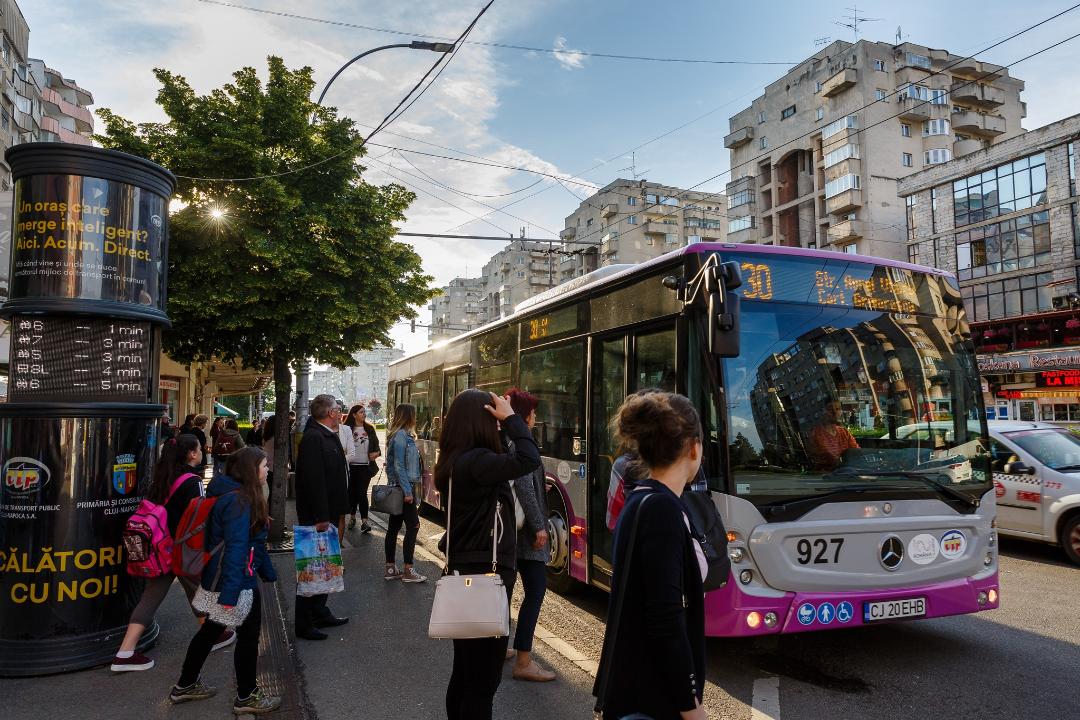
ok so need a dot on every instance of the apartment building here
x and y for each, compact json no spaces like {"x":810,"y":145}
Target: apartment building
{"x":517,"y":272}
{"x":459,"y":308}
{"x":815,"y":159}
{"x":364,"y":380}
{"x":64,"y":113}
{"x":630,"y":221}
{"x":1004,"y":219}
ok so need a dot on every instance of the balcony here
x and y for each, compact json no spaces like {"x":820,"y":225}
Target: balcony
{"x":845,"y":202}
{"x":609,"y":247}
{"x":970,"y":67}
{"x":568,"y":233}
{"x":839,"y":82}
{"x":968,"y":121}
{"x":846,"y":231}
{"x":84,"y":121}
{"x":976,"y":94}
{"x":739,"y":137}
{"x":609,"y":210}
{"x":746,"y":182}
{"x":966,"y":147}
{"x":654,"y":227}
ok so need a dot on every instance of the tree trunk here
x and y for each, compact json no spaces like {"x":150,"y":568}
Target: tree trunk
{"x":282,"y":441}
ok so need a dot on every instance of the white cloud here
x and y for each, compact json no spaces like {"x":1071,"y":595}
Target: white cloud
{"x":568,"y":58}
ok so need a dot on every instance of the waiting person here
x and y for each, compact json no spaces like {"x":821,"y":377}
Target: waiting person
{"x":403,"y":469}
{"x":654,"y":664}
{"x":322,"y":497}
{"x":215,"y":428}
{"x":189,"y":423}
{"x":168,"y":432}
{"x":198,"y":429}
{"x":533,"y":551}
{"x":830,"y":440}
{"x":626,"y":472}
{"x":269,"y":428}
{"x":473,"y":473}
{"x":176,"y":483}
{"x":239,"y":520}
{"x":362,"y":465}
{"x":254,"y":435}
{"x":228,"y":441}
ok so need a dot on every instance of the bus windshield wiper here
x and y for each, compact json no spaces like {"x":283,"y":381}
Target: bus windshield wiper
{"x":925,"y":479}
{"x":781,"y":506}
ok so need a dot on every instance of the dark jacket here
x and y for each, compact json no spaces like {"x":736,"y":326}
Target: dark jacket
{"x":479,"y":485}
{"x":531,"y":493}
{"x":177,"y":504}
{"x":322,"y":477}
{"x":223,"y":437}
{"x":657,"y":664}
{"x":244,"y":553}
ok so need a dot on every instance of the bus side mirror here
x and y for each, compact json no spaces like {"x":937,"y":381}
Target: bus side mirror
{"x":723,"y":308}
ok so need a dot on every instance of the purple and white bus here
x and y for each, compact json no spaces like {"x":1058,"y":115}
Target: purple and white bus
{"x":844,"y":433}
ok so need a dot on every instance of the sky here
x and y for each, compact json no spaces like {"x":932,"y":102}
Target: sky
{"x":570,"y":115}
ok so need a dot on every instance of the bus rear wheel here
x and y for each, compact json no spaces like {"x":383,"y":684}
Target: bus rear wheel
{"x":558,"y":527}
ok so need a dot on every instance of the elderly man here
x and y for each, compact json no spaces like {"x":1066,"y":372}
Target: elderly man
{"x":322,"y":496}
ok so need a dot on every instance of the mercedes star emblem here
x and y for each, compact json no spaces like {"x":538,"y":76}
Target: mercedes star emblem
{"x":887,"y":508}
{"x":892,"y":552}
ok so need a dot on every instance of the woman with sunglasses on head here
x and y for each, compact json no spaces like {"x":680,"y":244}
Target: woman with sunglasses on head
{"x":362,"y":465}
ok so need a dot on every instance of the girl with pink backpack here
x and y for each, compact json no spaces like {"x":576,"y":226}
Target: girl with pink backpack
{"x":176,"y":483}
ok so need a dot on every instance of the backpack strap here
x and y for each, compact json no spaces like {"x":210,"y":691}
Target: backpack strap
{"x":177,"y":483}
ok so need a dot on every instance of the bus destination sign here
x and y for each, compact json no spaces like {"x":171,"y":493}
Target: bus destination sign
{"x":76,"y":359}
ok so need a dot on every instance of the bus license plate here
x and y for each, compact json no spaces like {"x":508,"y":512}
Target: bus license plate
{"x":893,"y":609}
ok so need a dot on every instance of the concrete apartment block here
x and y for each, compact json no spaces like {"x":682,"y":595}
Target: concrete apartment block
{"x":815,"y":159}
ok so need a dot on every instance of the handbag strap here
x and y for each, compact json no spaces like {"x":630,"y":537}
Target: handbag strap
{"x":603,"y":676}
{"x":494,"y":527}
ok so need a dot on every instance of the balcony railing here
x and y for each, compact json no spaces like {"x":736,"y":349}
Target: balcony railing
{"x":846,"y":231}
{"x":839,"y":82}
{"x":976,"y":94}
{"x":844,"y":202}
{"x":976,"y":123}
{"x":966,"y":146}
{"x":609,"y":210}
{"x":739,"y":137}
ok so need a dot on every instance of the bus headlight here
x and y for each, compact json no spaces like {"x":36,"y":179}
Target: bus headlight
{"x":989,"y":559}
{"x":993,"y":539}
{"x":736,"y":554}
{"x":992,"y":596}
{"x":983,"y":597}
{"x":746,"y":577}
{"x":771,"y":619}
{"x":753,"y":620}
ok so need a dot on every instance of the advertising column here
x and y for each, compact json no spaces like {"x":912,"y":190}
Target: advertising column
{"x":78,"y":435}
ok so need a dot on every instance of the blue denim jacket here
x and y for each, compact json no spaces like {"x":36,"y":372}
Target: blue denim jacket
{"x":402,"y":461}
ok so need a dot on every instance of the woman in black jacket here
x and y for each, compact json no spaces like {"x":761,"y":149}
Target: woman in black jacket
{"x":653,"y":661}
{"x":473,"y":474}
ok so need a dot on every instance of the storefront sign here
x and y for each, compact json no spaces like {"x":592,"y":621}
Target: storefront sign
{"x":173,"y":385}
{"x":1029,"y":361}
{"x":1058,"y":378}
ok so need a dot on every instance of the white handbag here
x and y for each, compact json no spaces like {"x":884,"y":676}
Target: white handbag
{"x":468,"y":607}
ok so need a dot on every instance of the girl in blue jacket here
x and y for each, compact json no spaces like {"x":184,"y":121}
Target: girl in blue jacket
{"x":403,"y":469}
{"x":238,"y":523}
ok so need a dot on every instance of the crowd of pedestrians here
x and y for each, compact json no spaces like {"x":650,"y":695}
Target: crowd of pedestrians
{"x":489,"y":475}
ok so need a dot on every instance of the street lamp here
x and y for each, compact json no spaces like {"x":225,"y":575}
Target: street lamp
{"x":414,"y":45}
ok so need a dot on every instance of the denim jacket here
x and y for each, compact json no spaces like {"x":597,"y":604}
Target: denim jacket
{"x":402,"y":461}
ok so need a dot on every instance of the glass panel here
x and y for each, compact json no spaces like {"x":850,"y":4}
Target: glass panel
{"x":1012,"y":303}
{"x":1023,"y":184}
{"x":608,"y":392}
{"x":556,"y":377}
{"x":655,"y":367}
{"x":1042,"y":238}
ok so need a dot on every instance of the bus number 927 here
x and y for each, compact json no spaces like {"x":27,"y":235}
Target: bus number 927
{"x":817,"y":551}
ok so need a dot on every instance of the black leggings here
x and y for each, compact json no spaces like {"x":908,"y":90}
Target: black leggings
{"x":411,"y":521}
{"x":359,"y":479}
{"x":245,"y":655}
{"x":478,"y":664}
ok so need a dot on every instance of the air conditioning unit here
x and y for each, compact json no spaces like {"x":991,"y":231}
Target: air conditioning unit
{"x":1065,"y":302}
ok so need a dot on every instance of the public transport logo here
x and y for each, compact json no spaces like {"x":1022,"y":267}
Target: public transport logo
{"x":124,"y":475}
{"x":24,"y":476}
{"x":953,"y":544}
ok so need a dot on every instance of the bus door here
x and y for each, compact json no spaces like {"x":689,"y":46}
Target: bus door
{"x":621,"y":364}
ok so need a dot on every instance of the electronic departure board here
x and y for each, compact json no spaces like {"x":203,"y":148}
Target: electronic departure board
{"x":76,"y":359}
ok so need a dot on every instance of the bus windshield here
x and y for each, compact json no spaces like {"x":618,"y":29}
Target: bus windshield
{"x":828,"y":401}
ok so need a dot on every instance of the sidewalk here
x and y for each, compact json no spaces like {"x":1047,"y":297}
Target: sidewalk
{"x":381,"y":665}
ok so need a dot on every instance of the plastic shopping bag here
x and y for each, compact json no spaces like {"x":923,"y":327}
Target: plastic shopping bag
{"x":319,"y":569}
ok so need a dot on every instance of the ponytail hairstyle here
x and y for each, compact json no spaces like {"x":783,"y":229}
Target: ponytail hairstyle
{"x":243,"y":467}
{"x":656,"y":426}
{"x":171,"y":465}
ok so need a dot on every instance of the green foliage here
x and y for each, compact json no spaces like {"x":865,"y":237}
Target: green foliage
{"x":279,"y":275}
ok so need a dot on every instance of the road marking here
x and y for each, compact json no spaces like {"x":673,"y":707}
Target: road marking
{"x":766,"y":702}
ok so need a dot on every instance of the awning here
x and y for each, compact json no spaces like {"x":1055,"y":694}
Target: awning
{"x":222,"y":411}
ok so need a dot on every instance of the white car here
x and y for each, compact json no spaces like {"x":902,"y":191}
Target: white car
{"x":945,"y":458}
{"x":1036,"y":471}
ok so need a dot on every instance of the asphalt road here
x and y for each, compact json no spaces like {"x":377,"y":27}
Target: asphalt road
{"x":1021,"y":661}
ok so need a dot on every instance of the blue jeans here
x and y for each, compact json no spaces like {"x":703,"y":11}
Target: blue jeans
{"x":534,"y":583}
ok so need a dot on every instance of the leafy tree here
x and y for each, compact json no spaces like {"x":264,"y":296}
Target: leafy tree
{"x":375,"y":407}
{"x":268,"y":271}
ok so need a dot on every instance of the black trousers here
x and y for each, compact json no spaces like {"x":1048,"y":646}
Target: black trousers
{"x":310,"y":610}
{"x":478,"y":664}
{"x":411,"y":520}
{"x":245,"y":656}
{"x":359,"y":479}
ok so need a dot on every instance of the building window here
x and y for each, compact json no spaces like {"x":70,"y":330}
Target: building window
{"x":915,"y":92}
{"x":906,"y":160}
{"x":939,"y":97}
{"x":743,"y":197}
{"x":787,"y":112}
{"x":937,"y":156}
{"x":763,"y":143}
{"x":841,"y":154}
{"x":1072,"y":169}
{"x":1024,"y":295}
{"x":520,"y":274}
{"x":761,"y":117}
{"x":1011,"y":187}
{"x":933,"y":210}
{"x":905,"y":130}
{"x":909,"y":212}
{"x":852,"y":249}
{"x":840,"y":125}
{"x":935,"y":127}
{"x":881,"y":94}
{"x":923,"y":253}
{"x":740,"y":223}
{"x":588,"y":223}
{"x":631,"y":219}
{"x":671,"y":238}
{"x":1006,"y":246}
{"x":916,"y":60}
{"x":817,"y":86}
{"x":840,"y":185}
{"x":631,"y":201}
{"x":819,"y":114}
{"x":693,"y":239}
{"x":879,"y":65}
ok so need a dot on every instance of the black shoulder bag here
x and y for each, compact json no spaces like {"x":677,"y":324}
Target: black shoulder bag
{"x":707,"y":527}
{"x":603,"y":673}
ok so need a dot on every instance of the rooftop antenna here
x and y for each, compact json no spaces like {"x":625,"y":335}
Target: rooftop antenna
{"x":818,"y":42}
{"x":899,"y":35}
{"x":854,"y":20}
{"x":633,"y":167}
